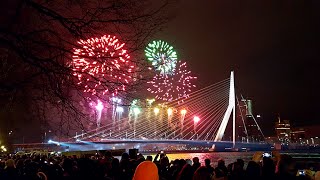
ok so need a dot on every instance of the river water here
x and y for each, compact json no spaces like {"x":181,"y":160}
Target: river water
{"x":231,"y":157}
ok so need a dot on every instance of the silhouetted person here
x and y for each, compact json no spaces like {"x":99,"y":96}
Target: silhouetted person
{"x":207,"y":163}
{"x":196,"y":164}
{"x":10,"y":172}
{"x":221,"y":169}
{"x":125,"y":167}
{"x":285,"y":168}
{"x":149,"y":158}
{"x":201,"y":173}
{"x":185,"y":173}
{"x":237,"y":172}
{"x":268,"y":168}
{"x":241,"y":163}
{"x":252,"y":171}
{"x":115,"y":172}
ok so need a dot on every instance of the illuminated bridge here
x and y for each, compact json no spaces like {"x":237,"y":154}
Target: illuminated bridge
{"x":200,"y":120}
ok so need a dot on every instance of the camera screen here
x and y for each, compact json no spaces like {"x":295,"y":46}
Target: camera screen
{"x":266,"y":155}
{"x":302,"y":172}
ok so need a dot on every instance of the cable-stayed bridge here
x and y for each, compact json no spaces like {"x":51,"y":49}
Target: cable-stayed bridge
{"x":202,"y":117}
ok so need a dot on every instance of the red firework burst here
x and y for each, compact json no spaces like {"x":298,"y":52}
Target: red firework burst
{"x":172,"y":87}
{"x":102,"y":65}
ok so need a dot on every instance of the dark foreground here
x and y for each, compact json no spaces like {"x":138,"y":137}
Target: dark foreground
{"x":161,"y":166}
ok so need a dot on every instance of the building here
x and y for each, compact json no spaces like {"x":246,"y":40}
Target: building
{"x":283,"y":130}
{"x":249,"y":130}
{"x":297,"y":134}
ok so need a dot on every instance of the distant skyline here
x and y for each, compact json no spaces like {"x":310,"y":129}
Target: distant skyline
{"x":273,"y":47}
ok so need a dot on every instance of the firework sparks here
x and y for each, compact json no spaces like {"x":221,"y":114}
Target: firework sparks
{"x":162,"y":56}
{"x":172,"y":87}
{"x":102,"y":65}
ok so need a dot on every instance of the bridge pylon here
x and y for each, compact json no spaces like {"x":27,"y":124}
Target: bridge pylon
{"x":231,"y":109}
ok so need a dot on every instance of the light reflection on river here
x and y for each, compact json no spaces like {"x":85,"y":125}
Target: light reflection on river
{"x":229,"y":157}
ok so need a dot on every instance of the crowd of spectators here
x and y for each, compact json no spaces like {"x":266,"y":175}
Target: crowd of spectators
{"x":107,"y":167}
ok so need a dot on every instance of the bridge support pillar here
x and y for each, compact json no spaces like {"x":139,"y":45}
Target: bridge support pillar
{"x":230,"y":109}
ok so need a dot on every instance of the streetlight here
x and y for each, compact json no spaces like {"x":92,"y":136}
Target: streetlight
{"x":156,"y":111}
{"x":183,"y":112}
{"x":169,"y":111}
{"x":119,"y":109}
{"x":196,"y":119}
{"x":136,"y":111}
{"x":150,"y":101}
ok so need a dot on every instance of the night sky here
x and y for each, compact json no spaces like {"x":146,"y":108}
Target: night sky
{"x":273,"y":47}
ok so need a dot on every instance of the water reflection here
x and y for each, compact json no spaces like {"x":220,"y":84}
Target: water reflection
{"x":229,"y":157}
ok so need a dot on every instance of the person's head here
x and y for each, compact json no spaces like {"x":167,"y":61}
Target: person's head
{"x":201,"y":173}
{"x":10,"y":164}
{"x":108,"y":154}
{"x":207,"y":162}
{"x":146,"y":169}
{"x":240,"y":162}
{"x":164,"y":161}
{"x":176,"y":162}
{"x":149,"y":158}
{"x":115,"y":163}
{"x":221,"y":163}
{"x":195,"y":160}
{"x":285,"y":165}
{"x":236,"y":167}
{"x":268,"y":167}
{"x":185,"y":173}
{"x":67,"y":164}
{"x":189,"y":161}
{"x":125,"y":156}
{"x":182,"y":162}
{"x":253,"y":169}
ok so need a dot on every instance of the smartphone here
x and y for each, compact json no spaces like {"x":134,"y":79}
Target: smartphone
{"x":161,"y":152}
{"x":301,"y":172}
{"x":51,"y":163}
{"x":266,"y":155}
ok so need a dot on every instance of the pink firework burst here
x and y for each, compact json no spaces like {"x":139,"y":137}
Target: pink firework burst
{"x":172,"y":87}
{"x":102,"y":65}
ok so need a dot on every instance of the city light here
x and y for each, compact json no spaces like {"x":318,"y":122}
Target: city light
{"x":119,"y":109}
{"x":53,"y":142}
{"x":183,"y":112}
{"x":156,"y":111}
{"x":3,"y":148}
{"x":150,"y":101}
{"x":136,"y":111}
{"x":169,"y":111}
{"x":99,"y":106}
{"x":116,"y":100}
{"x":196,"y":119}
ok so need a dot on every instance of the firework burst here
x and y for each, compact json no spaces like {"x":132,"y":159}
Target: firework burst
{"x":172,"y":87}
{"x":102,"y":65}
{"x":162,"y":56}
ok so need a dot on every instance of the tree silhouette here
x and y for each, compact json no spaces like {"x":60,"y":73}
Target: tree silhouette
{"x":37,"y":40}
